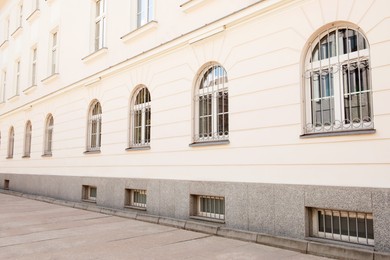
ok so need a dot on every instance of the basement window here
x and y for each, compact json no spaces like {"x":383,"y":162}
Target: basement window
{"x":348,"y":226}
{"x":135,"y":198}
{"x":208,"y":207}
{"x":6,"y":184}
{"x":89,"y":193}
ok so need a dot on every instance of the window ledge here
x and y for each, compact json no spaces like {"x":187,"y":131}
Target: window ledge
{"x":46,"y":155}
{"x":26,"y":156}
{"x":50,"y":78}
{"x":13,"y":98}
{"x":140,"y":30}
{"x":29,"y":89}
{"x":33,"y":15}
{"x":89,"y":201}
{"x":9,"y":157}
{"x":138,"y":148}
{"x":92,"y":152}
{"x":95,"y":54}
{"x":191,"y":4}
{"x":209,"y":143}
{"x":17,"y":31}
{"x":339,"y":133}
{"x":134,"y":207}
{"x":208,"y":219}
{"x":4,"y":44}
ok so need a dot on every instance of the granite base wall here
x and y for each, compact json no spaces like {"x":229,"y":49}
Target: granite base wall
{"x":275,"y":209}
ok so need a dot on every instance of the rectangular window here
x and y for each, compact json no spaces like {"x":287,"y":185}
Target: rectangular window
{"x":6,"y":184}
{"x":34,"y":67}
{"x":3,"y":86}
{"x":17,"y":78}
{"x":54,"y":53}
{"x":35,"y":5}
{"x":100,"y":24}
{"x":212,"y":207}
{"x":349,"y":226}
{"x":20,"y":22}
{"x":135,"y":198}
{"x":144,"y":12}
{"x":89,"y":193}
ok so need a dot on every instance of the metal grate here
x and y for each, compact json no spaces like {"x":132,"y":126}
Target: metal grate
{"x":137,"y":198}
{"x":354,"y":227}
{"x":211,"y":207}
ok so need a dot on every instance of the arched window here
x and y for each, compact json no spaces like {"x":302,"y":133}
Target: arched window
{"x":140,"y":118}
{"x":211,"y":105}
{"x":11,"y":138}
{"x":94,"y":127}
{"x":338,"y":82}
{"x":27,"y":140}
{"x":47,"y":150}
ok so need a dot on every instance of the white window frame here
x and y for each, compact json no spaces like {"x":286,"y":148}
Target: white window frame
{"x":20,"y":14}
{"x":211,"y":88}
{"x":338,"y":214}
{"x":141,"y":111}
{"x":11,"y":143}
{"x":145,"y":12}
{"x":320,"y":68}
{"x":27,"y":140}
{"x":53,"y":53}
{"x":94,"y":127}
{"x":17,"y":77}
{"x":34,"y":53}
{"x":3,"y":86}
{"x":99,"y":29}
{"x":48,"y":145}
{"x":35,"y":5}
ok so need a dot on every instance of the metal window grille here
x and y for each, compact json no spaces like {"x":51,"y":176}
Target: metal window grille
{"x":100,"y":24}
{"x":338,"y":84}
{"x":212,"y":106}
{"x":354,"y":227}
{"x":144,"y":12}
{"x":211,"y":207}
{"x":95,"y":126}
{"x":136,"y":198}
{"x":11,"y":140}
{"x":49,"y":135}
{"x":27,"y":140}
{"x":54,"y":53}
{"x":140,"y":115}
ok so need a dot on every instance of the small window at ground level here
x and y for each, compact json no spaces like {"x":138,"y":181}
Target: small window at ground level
{"x":348,"y":226}
{"x":6,"y":184}
{"x":212,"y":207}
{"x":135,"y":198}
{"x":89,"y":193}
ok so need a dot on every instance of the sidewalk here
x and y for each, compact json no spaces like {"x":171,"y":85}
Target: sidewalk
{"x":31,"y":229}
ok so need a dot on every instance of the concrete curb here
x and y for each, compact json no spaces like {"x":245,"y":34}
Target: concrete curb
{"x":302,"y":246}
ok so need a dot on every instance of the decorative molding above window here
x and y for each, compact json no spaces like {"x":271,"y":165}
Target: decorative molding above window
{"x":4,"y":44}
{"x":50,"y":78}
{"x":33,"y":15}
{"x":191,"y":4}
{"x":17,"y":31}
{"x":141,"y":30}
{"x":95,"y":54}
{"x":29,"y":89}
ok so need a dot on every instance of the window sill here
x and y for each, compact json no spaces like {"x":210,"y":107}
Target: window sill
{"x":339,"y":133}
{"x":8,"y":157}
{"x":140,"y":30}
{"x":4,"y":44}
{"x":33,"y":15}
{"x":92,"y":152}
{"x":17,"y":31}
{"x":138,"y":148}
{"x":210,"y":143}
{"x":95,"y":54}
{"x":50,"y":78}
{"x":89,"y":201}
{"x":339,"y":243}
{"x":26,"y":156}
{"x":134,"y":207}
{"x":208,"y":219}
{"x":46,"y":155}
{"x":29,"y":89}
{"x":191,"y":4}
{"x":14,"y":98}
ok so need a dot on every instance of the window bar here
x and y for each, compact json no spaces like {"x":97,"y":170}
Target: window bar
{"x":323,"y":221}
{"x":311,"y":85}
{"x":365,"y":227}
{"x":330,"y":83}
{"x":340,"y":73}
{"x":321,"y":98}
{"x":214,"y":98}
{"x":349,"y":232}
{"x":341,"y":238}
{"x":357,"y":227}
{"x":360,"y":81}
{"x":349,"y":79}
{"x":331,"y":223}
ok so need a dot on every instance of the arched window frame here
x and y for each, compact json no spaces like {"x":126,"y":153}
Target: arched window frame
{"x":94,"y":127}
{"x":27,"y":140}
{"x":338,"y":59}
{"x":211,"y":105}
{"x":140,"y":118}
{"x":48,"y":142}
{"x":11,"y":143}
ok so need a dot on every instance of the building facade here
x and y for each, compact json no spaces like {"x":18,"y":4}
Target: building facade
{"x":268,"y":116}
